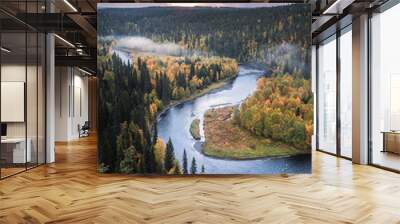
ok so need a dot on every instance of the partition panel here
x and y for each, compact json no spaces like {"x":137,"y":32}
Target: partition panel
{"x":22,"y":77}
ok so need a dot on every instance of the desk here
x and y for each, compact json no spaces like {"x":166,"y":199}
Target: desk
{"x":391,"y":141}
{"x":13,"y":150}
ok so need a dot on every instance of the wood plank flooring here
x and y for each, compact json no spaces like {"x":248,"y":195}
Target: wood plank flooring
{"x":70,"y":191}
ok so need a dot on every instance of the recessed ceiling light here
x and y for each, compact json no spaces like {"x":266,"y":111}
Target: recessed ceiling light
{"x":84,"y":71}
{"x":5,"y":50}
{"x":337,"y":7}
{"x":64,"y":40}
{"x":70,"y":5}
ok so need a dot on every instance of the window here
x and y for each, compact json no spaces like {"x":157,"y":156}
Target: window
{"x":385,"y":88}
{"x":327,"y":95}
{"x":346,"y":92}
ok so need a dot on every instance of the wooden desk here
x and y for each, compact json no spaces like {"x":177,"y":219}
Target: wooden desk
{"x":391,"y":141}
{"x":13,"y":150}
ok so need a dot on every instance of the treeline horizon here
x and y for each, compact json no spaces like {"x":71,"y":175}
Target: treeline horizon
{"x":278,"y":38}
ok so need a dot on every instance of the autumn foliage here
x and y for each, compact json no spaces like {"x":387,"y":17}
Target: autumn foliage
{"x":280,"y":109}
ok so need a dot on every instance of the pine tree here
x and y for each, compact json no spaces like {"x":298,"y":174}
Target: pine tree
{"x":185,"y":162}
{"x":193,"y":168}
{"x":128,"y":164}
{"x":169,"y":156}
{"x":165,"y":89}
{"x":150,"y":160}
{"x":155,"y":132}
{"x":203,"y":72}
{"x":145,"y":78}
{"x":176,"y":168}
{"x":158,"y":86}
{"x":192,"y":71}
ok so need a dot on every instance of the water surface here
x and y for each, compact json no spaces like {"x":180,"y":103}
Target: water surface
{"x":175,"y":124}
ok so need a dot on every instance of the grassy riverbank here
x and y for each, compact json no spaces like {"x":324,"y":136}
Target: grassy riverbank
{"x":195,"y":129}
{"x":199,"y":93}
{"x":209,"y":88}
{"x":224,"y":139}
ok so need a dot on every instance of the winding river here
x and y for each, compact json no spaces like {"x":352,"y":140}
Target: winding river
{"x":175,"y":123}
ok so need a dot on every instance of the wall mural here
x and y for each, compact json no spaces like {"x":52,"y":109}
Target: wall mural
{"x":204,"y":88}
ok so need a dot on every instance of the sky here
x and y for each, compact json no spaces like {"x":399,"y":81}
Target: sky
{"x":144,"y":5}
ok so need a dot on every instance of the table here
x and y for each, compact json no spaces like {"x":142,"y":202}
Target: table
{"x":13,"y":150}
{"x":391,"y":141}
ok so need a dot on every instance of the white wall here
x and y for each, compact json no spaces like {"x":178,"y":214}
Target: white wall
{"x":16,"y":73}
{"x":62,"y":82}
{"x":71,"y":102}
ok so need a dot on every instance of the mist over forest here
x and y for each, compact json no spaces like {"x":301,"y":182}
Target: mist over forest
{"x":249,"y":35}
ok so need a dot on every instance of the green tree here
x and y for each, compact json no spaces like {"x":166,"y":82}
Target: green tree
{"x":169,"y":156}
{"x":176,"y":169}
{"x":192,"y":71}
{"x":166,"y":89}
{"x":150,"y":160}
{"x":185,"y":162}
{"x":145,"y":78}
{"x":193,"y":168}
{"x":128,"y":164}
{"x":155,"y":132}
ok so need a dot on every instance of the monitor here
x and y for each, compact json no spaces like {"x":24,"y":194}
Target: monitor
{"x":3,"y":129}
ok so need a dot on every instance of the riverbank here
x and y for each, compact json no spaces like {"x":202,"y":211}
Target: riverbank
{"x":226,"y":140}
{"x":199,"y":93}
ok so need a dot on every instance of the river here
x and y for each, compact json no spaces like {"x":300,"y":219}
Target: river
{"x":175,"y":123}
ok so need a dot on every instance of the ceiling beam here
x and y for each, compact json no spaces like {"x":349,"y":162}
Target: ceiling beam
{"x":89,"y":30}
{"x":78,"y":61}
{"x":338,"y":6}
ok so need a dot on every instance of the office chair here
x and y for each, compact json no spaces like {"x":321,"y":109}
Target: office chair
{"x":84,"y":130}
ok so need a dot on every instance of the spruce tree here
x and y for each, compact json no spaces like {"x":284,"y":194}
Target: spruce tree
{"x":165,"y":89}
{"x":193,"y":168}
{"x":128,"y":164}
{"x":169,"y":156}
{"x":150,"y":160}
{"x":155,"y":132}
{"x":145,"y":78}
{"x":192,"y":71}
{"x":185,"y":162}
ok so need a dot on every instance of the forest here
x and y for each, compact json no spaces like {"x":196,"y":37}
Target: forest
{"x":216,"y":41}
{"x":133,"y":94}
{"x":280,"y":109}
{"x":248,"y":35}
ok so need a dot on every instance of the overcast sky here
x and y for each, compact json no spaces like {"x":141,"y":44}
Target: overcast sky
{"x":144,"y":5}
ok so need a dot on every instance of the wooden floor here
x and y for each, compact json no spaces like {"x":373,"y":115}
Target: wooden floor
{"x":70,"y":191}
